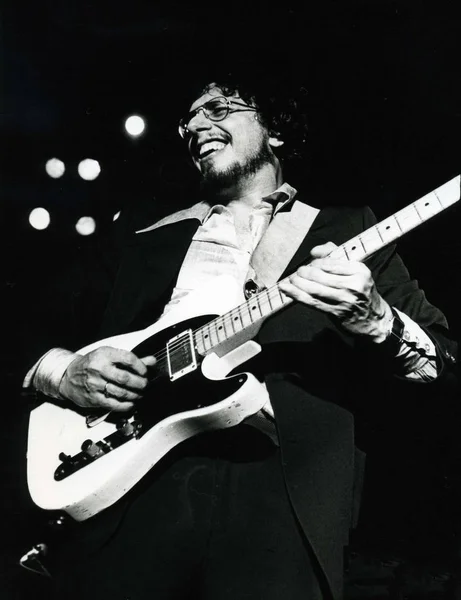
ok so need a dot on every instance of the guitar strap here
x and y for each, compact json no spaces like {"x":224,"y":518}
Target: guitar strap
{"x":278,"y":245}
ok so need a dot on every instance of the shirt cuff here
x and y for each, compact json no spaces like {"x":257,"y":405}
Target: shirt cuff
{"x":417,"y":356}
{"x":46,"y":375}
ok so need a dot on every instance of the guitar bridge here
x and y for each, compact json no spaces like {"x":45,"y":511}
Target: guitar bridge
{"x":181,"y":355}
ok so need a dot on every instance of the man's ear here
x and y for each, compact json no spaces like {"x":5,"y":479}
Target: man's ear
{"x":275,"y":141}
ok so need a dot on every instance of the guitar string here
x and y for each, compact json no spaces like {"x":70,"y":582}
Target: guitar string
{"x":236,"y":313}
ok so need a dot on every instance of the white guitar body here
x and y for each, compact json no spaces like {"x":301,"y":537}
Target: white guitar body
{"x":55,"y":429}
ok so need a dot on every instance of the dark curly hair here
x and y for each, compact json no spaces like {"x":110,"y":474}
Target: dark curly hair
{"x":282,"y":105}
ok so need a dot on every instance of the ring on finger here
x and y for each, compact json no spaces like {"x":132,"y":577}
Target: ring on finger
{"x":105,"y":392}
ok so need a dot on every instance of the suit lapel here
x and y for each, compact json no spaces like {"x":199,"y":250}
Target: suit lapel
{"x":328,"y":226}
{"x":146,"y":275}
{"x":280,"y":242}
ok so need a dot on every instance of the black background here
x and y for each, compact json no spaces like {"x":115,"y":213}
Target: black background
{"x":384,"y":88}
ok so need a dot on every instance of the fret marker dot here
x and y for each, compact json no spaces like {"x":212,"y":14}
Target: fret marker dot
{"x":354,"y":248}
{"x":388,"y":227}
{"x":220,"y":327}
{"x":253,"y":307}
{"x":206,"y":335}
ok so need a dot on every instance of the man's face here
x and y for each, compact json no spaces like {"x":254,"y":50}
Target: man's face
{"x":225,"y":150}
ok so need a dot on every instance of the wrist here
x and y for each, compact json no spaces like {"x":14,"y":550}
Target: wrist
{"x":50,"y":372}
{"x":383,"y":325}
{"x":392,"y":341}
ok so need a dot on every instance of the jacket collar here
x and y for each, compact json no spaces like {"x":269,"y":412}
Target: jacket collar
{"x":280,"y":198}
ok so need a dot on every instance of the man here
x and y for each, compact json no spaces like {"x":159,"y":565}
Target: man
{"x":262,"y":509}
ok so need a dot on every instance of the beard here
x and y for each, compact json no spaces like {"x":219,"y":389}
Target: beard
{"x":214,"y":180}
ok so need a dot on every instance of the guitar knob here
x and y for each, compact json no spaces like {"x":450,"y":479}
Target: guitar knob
{"x":125,"y":427}
{"x":90,"y":448}
{"x":128,"y":428}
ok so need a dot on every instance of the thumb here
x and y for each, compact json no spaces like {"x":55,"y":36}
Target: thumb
{"x":149,"y":361}
{"x":323,"y":250}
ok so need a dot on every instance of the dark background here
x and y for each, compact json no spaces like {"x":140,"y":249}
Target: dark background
{"x":384,"y":92}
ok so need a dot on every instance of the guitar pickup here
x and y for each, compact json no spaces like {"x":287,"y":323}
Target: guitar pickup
{"x":181,"y":355}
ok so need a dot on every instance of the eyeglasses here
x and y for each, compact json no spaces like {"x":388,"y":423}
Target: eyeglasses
{"x":216,"y":109}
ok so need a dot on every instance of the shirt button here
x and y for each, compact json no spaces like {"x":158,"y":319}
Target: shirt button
{"x":427,"y":348}
{"x":406,"y":336}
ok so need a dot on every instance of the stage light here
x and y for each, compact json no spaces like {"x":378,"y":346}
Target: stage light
{"x":116,"y":216}
{"x":55,"y":168}
{"x":85,"y":226}
{"x":88,"y":169}
{"x":39,"y":218}
{"x":135,"y":125}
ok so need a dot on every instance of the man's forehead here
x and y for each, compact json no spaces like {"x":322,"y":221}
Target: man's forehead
{"x":212,"y":91}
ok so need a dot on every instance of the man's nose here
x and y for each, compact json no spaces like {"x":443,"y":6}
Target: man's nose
{"x":199,"y":122}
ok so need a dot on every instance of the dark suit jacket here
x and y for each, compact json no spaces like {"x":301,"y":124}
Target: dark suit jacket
{"x":317,"y":375}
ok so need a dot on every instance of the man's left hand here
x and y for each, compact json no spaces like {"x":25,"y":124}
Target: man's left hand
{"x":344,"y":289}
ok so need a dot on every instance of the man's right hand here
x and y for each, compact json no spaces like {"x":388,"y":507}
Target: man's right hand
{"x":107,"y":378}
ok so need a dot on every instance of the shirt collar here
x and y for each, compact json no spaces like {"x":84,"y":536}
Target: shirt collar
{"x":280,"y":199}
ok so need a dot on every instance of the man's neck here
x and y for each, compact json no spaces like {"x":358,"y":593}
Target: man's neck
{"x":247,"y":193}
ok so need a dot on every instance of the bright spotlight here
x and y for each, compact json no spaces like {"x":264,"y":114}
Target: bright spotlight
{"x":39,"y":218}
{"x":116,"y":216}
{"x":135,"y":125}
{"x":55,"y":168}
{"x":85,"y":226}
{"x":88,"y":169}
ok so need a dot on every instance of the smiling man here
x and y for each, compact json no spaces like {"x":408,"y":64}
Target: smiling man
{"x":263,"y":508}
{"x":226,"y":150}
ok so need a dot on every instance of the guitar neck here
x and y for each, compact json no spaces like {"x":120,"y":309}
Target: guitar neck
{"x":359,"y":248}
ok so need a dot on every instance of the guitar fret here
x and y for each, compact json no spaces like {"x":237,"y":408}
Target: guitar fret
{"x":378,"y":229}
{"x":417,"y":211}
{"x":198,"y":341}
{"x":275,"y":300}
{"x":213,"y":334}
{"x":238,"y":319}
{"x":439,"y":201}
{"x":268,"y":296}
{"x":409,"y":216}
{"x":231,"y":319}
{"x":247,"y":317}
{"x":221,"y":329}
{"x":339,"y":253}
{"x":285,"y":299}
{"x":204,"y":339}
{"x":254,"y":308}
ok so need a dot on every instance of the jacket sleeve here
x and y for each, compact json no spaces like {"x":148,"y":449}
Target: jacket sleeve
{"x":396,"y":286}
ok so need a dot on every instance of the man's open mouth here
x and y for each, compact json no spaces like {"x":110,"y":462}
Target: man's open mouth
{"x":209,"y":148}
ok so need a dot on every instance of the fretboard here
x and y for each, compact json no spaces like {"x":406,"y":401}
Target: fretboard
{"x":272,"y":299}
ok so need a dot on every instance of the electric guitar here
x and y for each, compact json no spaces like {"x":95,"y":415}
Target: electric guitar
{"x":81,"y":462}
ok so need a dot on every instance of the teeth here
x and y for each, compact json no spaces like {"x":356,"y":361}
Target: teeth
{"x":209,"y":146}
